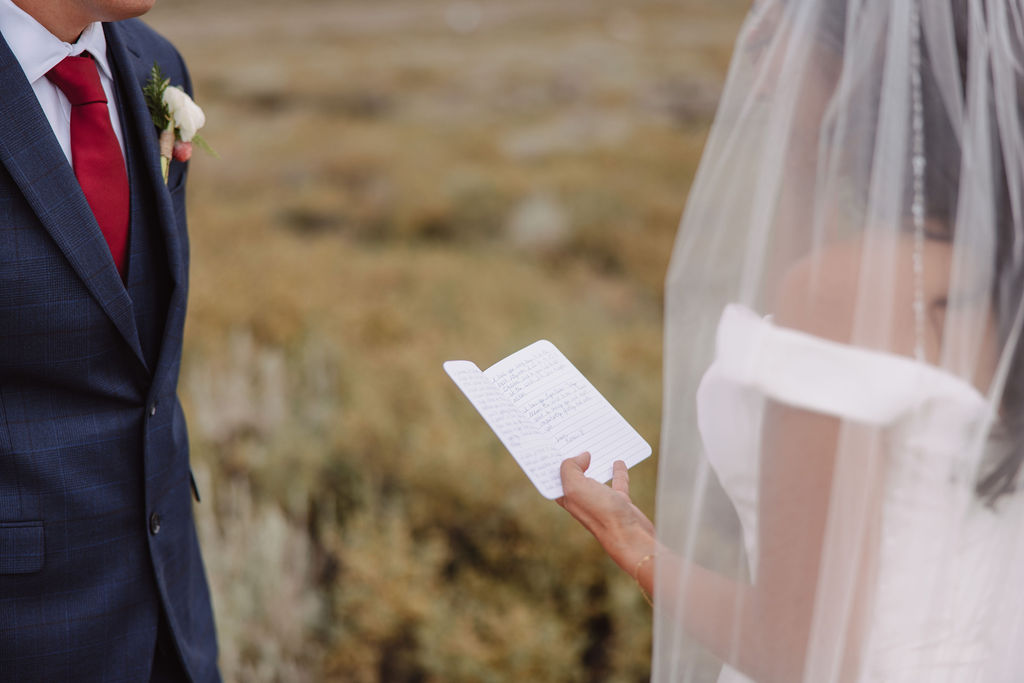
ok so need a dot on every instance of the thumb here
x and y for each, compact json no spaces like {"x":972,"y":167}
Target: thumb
{"x":571,"y":472}
{"x":578,"y":463}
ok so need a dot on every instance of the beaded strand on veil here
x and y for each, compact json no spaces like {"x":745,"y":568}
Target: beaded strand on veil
{"x":918,"y":163}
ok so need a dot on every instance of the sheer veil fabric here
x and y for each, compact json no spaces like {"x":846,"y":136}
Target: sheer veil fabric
{"x":844,"y":375}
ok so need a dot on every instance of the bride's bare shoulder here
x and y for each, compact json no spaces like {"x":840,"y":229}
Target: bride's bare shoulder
{"x":818,"y":292}
{"x":826,"y":292}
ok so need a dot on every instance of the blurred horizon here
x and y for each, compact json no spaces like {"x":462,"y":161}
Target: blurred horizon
{"x":400,"y":183}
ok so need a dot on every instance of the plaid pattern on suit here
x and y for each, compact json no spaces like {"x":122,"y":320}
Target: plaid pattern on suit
{"x":96,"y":529}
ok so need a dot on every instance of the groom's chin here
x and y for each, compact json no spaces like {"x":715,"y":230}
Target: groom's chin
{"x":117,"y":10}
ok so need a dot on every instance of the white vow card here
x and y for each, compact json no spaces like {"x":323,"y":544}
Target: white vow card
{"x":544,"y":410}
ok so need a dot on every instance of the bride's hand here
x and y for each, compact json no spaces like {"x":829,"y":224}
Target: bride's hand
{"x":622,"y":529}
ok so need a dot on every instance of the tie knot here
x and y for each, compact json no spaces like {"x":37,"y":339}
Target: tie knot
{"x":79,"y":80}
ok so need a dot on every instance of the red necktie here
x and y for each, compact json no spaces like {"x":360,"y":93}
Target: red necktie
{"x":95,"y":153}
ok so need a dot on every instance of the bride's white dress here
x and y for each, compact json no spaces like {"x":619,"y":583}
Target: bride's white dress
{"x":946,"y":567}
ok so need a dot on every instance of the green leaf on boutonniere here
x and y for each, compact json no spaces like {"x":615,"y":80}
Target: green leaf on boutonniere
{"x":203,"y":145}
{"x":153,"y":91}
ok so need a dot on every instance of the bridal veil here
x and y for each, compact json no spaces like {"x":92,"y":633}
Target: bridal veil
{"x":843,"y":424}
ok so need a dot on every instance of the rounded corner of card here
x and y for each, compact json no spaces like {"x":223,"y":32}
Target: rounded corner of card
{"x":456,"y":367}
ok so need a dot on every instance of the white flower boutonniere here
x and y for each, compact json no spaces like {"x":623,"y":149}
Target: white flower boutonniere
{"x":176,"y":116}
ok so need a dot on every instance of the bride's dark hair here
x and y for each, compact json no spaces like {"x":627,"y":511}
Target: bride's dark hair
{"x":1001,"y":475}
{"x":1001,"y":472}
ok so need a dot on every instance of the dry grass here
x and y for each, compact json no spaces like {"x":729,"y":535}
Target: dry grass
{"x":393,"y":192}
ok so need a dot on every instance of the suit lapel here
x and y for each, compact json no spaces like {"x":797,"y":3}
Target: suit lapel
{"x":30,"y":153}
{"x":132,"y":70}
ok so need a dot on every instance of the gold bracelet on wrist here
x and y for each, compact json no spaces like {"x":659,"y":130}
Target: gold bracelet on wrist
{"x":636,"y":577}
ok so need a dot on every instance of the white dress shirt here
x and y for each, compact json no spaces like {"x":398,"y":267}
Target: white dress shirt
{"x":38,"y":51}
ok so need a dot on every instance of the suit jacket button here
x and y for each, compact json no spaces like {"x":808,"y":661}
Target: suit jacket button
{"x":152,"y":410}
{"x":154,"y":523}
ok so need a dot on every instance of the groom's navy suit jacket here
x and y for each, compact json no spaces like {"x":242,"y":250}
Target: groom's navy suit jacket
{"x":96,"y":529}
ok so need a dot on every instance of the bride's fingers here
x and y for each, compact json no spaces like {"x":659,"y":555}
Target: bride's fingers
{"x":574,"y":467}
{"x":572,"y":474}
{"x":620,"y":477}
{"x":582,"y":460}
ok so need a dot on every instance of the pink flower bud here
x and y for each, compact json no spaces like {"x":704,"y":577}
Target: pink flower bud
{"x":182,"y":150}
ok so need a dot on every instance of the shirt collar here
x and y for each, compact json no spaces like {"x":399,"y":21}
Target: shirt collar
{"x":38,"y":50}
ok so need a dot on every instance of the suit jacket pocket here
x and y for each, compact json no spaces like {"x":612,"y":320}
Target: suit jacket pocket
{"x":21,"y":547}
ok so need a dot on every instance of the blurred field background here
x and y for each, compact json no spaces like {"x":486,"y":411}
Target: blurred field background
{"x":402,"y":182}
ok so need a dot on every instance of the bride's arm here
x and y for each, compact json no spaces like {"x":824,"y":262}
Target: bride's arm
{"x":627,"y":535}
{"x":775,"y":613}
{"x":764,"y":629}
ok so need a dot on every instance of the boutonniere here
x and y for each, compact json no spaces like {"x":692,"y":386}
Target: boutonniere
{"x":177,"y":118}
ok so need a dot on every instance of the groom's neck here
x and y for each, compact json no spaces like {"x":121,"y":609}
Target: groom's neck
{"x":66,"y":19}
